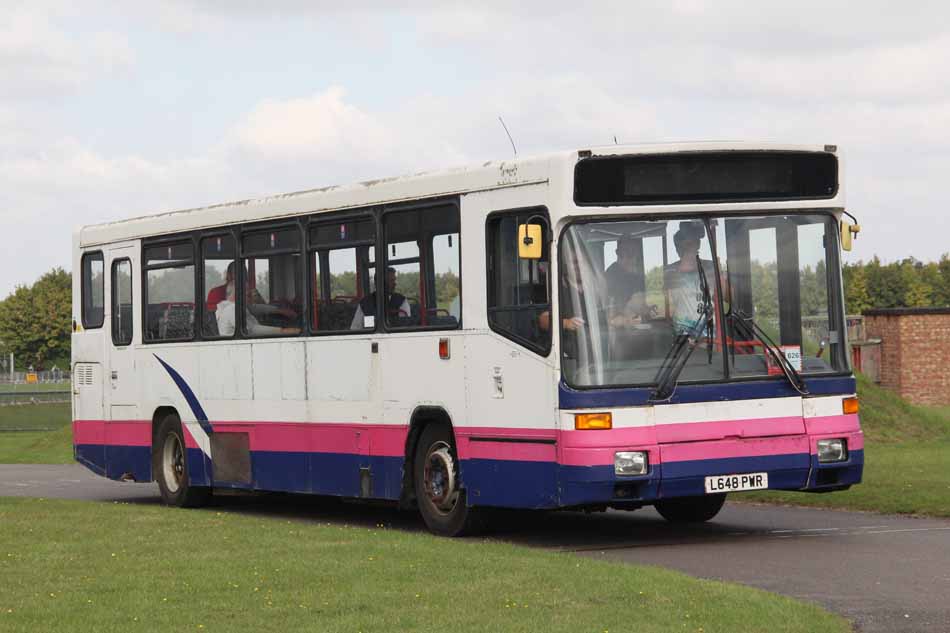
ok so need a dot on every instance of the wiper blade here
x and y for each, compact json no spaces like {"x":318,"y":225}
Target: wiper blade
{"x":684,"y":344}
{"x":751,"y":329}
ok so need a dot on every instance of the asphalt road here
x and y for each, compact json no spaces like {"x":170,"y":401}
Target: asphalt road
{"x":884,"y":573}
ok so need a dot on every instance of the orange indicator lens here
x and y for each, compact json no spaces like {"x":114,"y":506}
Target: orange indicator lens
{"x":592,"y":421}
{"x":849,"y":405}
{"x":444,"y":352}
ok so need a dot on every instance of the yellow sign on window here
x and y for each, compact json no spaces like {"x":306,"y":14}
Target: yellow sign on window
{"x":31,"y":378}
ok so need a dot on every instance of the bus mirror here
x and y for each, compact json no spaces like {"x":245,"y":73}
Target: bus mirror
{"x":848,"y":234}
{"x":529,"y":241}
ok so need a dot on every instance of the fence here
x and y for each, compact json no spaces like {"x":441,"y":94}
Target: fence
{"x":34,"y":377}
{"x":44,"y":390}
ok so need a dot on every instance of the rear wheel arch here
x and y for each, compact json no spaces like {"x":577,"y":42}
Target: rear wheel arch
{"x":170,"y":462}
{"x":421,"y":418}
{"x":158,"y":415}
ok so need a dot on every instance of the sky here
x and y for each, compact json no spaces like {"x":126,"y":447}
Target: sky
{"x":109,"y":113}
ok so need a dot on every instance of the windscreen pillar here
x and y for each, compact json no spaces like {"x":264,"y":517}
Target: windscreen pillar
{"x":789,"y":284}
{"x":739,"y":265}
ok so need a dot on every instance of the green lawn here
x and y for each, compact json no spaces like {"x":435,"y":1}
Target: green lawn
{"x":36,"y":447}
{"x":906,"y":455}
{"x":70,"y":566}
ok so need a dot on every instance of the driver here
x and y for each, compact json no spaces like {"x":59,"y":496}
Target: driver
{"x":626,"y":286}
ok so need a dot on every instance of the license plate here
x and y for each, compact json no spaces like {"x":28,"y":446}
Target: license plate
{"x":734,"y":483}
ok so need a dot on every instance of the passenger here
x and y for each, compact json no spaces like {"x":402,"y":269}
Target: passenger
{"x":255,"y":302}
{"x":681,"y":279}
{"x":573,"y":290}
{"x":626,"y":287}
{"x":396,"y":304}
{"x":219,"y":293}
{"x":227,"y":322}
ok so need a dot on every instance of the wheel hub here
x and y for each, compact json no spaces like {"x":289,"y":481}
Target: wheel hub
{"x":173,"y":463}
{"x":439,"y":477}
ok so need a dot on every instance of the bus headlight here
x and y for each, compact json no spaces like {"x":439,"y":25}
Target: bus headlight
{"x":835,"y":450}
{"x":628,"y":463}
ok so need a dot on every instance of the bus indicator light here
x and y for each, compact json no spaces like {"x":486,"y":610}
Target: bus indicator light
{"x":593,"y":421}
{"x":444,"y":352}
{"x":849,"y":406}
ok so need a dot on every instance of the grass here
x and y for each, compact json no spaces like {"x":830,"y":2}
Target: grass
{"x":36,"y":447}
{"x":906,"y":460}
{"x":34,"y":416}
{"x":115,"y":567}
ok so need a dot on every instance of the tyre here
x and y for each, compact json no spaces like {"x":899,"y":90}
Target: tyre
{"x":441,"y":501}
{"x":170,"y":465}
{"x":690,"y":509}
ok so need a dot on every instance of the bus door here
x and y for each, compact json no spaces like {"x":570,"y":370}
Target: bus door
{"x":121,"y":264}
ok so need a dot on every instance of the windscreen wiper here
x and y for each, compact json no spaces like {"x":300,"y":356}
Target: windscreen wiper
{"x":750,"y":329}
{"x":684,"y":344}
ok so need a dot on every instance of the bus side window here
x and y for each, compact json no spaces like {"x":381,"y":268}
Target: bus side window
{"x":422,"y":266}
{"x":519,"y":290}
{"x":340,"y":259}
{"x":273,"y":279}
{"x":122,"y":302}
{"x":218,"y":272}
{"x":169,"y":292}
{"x":93,"y":290}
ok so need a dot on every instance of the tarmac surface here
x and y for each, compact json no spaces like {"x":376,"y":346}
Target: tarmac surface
{"x":884,"y":573}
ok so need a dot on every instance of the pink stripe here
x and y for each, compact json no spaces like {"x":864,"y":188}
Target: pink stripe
{"x":573,"y":448}
{"x":833,"y":424}
{"x":112,"y":433}
{"x":129,"y":434}
{"x":724,"y":449}
{"x":608,"y":438}
{"x":755,"y":427}
{"x":89,"y":432}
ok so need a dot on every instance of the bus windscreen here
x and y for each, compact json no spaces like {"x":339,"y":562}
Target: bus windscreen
{"x":682,"y":178}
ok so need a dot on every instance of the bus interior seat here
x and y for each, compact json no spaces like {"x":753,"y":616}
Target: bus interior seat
{"x":210,"y":324}
{"x":336,"y":315}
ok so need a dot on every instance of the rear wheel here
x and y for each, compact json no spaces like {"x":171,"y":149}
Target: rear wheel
{"x":690,"y":509}
{"x":441,"y":500}
{"x":170,"y":465}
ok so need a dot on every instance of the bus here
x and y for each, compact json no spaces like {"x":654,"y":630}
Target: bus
{"x":612,"y":327}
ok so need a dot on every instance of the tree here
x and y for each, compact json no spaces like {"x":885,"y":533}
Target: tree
{"x":916,"y":291}
{"x":856,"y":295}
{"x":35,"y":320}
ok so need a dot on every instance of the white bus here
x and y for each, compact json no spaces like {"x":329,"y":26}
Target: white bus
{"x":612,"y":327}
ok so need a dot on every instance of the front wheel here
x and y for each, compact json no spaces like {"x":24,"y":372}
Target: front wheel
{"x":690,"y":509}
{"x":441,"y":500}
{"x":170,"y":465}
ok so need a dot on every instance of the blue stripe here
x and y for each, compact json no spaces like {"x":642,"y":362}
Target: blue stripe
{"x":189,"y":395}
{"x":498,"y":483}
{"x":640,"y":396}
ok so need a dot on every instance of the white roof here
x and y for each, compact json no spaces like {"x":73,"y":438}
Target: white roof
{"x":486,"y":176}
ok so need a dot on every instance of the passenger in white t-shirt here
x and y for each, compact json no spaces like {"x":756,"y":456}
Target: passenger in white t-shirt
{"x":227,"y":319}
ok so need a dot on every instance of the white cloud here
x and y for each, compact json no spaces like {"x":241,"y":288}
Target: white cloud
{"x":871,"y":79}
{"x":41,"y":58}
{"x":321,"y":125}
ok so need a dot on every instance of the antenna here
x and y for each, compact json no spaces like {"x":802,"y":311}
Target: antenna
{"x":509,"y":135}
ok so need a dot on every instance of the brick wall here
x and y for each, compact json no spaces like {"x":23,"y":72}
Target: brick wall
{"x":915,"y":351}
